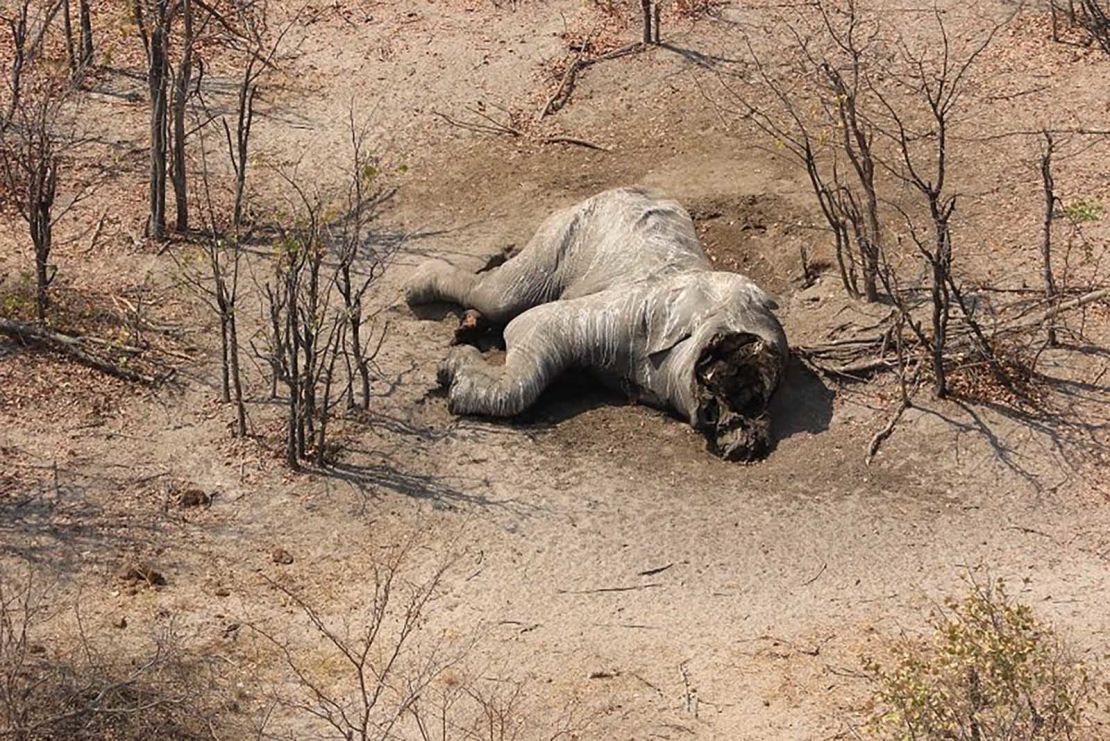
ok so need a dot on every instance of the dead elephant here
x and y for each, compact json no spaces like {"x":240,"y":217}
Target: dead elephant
{"x":619,"y":284}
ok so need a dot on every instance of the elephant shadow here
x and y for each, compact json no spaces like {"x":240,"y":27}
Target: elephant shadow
{"x":803,"y":403}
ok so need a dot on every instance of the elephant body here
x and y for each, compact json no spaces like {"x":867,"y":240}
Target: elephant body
{"x":619,"y":284}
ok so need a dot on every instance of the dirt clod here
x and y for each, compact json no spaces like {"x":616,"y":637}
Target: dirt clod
{"x":136,"y":572}
{"x":281,"y":556}
{"x":194,"y":498}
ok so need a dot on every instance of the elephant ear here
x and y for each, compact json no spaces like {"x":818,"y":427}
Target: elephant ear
{"x":673,"y":316}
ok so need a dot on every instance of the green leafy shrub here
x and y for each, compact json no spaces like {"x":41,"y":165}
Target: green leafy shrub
{"x":990,"y":671}
{"x":1084,"y":210}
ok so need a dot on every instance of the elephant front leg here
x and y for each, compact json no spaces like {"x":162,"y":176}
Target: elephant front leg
{"x":477,"y":387}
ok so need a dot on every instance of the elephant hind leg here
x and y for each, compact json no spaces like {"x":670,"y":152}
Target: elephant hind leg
{"x":503,"y":291}
{"x":436,"y":281}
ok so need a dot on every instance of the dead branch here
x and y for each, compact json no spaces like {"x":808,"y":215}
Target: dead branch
{"x":883,"y":434}
{"x":76,"y":348}
{"x":562,"y":94}
{"x":495,"y":127}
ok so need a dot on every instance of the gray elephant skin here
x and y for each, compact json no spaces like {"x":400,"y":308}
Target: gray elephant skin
{"x":619,"y":285}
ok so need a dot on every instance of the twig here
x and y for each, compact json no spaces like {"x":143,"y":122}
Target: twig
{"x":632,"y":588}
{"x":886,"y":432}
{"x":816,"y":576}
{"x":657,"y":570}
{"x":576,"y":142}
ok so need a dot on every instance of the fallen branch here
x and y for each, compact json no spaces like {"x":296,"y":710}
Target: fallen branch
{"x":601,"y":590}
{"x":72,"y":346}
{"x":499,"y":128}
{"x":576,"y":142}
{"x":566,"y":86}
{"x":860,"y":357}
{"x":886,"y":432}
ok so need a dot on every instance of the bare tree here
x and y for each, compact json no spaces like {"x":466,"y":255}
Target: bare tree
{"x":37,"y":135}
{"x":85,"y":15}
{"x":1046,"y":242}
{"x":361,"y":262}
{"x":827,"y":44}
{"x":153,"y":21}
{"x":324,"y":266}
{"x":217,"y":282}
{"x":81,"y":686}
{"x":182,"y":78}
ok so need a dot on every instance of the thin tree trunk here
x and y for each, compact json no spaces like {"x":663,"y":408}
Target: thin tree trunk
{"x":360,"y":361}
{"x":1046,"y":243}
{"x":86,"y":33}
{"x":236,"y":380}
{"x":646,"y":6}
{"x":180,"y":97}
{"x":247,"y":92}
{"x":156,"y":79}
{"x":41,"y":204}
{"x":71,"y":51}
{"x":225,"y":362}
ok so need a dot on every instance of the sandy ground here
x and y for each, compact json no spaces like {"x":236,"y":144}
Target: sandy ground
{"x":639,"y":587}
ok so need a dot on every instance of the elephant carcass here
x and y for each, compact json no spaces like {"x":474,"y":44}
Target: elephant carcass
{"x":619,"y":284}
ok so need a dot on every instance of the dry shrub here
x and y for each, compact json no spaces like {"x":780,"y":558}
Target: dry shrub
{"x":695,"y":8}
{"x":386,"y":674}
{"x":81,"y":685}
{"x":990,"y":671}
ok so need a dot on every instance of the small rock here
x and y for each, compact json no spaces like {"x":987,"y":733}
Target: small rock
{"x":194,"y":498}
{"x":121,"y":623}
{"x":221,"y":591}
{"x":282,"y":556}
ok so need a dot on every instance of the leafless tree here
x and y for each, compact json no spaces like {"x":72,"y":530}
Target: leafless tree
{"x":37,"y":135}
{"x":1050,"y":200}
{"x":825,"y":44}
{"x":79,"y":48}
{"x":27,"y":23}
{"x":385,"y":673}
{"x":361,"y":262}
{"x":153,"y":21}
{"x":304,"y":330}
{"x":324,"y":267}
{"x":74,"y":688}
{"x":85,"y":15}
{"x":182,"y":78}
{"x":216,"y":280}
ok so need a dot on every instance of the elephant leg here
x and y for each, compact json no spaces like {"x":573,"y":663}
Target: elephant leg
{"x":504,"y":292}
{"x":536,"y":354}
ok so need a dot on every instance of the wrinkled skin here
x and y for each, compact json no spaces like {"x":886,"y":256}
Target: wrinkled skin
{"x":618,"y":284}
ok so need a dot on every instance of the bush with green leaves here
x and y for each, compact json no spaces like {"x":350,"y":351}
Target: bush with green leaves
{"x":990,"y":671}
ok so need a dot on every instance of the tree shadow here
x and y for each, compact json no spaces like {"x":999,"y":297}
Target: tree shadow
{"x":697,"y":58}
{"x":373,"y":478}
{"x":50,"y":519}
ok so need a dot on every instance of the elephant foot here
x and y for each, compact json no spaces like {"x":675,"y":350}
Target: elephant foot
{"x":457,"y":358}
{"x":736,"y":375}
